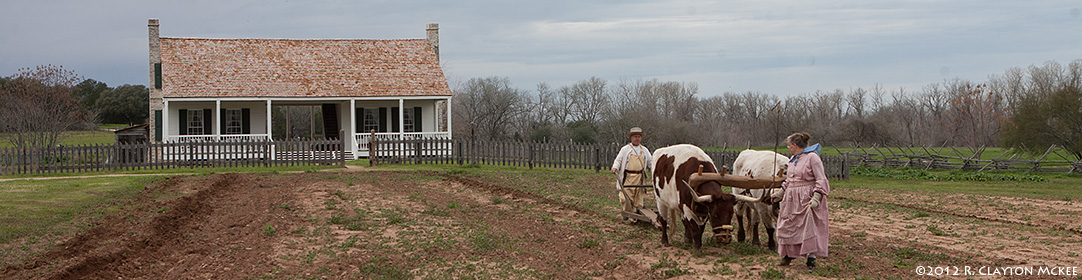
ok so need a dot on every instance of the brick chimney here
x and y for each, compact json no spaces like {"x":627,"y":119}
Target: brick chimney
{"x":155,"y":61}
{"x":433,"y":32}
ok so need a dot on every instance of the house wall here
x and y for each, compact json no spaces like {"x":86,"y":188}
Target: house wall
{"x":258,"y":114}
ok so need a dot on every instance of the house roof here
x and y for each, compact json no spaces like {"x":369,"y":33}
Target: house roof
{"x":300,"y":68}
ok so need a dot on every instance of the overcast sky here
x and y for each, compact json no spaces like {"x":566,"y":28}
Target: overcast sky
{"x":775,"y":47}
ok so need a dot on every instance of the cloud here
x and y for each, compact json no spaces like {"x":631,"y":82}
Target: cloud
{"x":772,"y":46}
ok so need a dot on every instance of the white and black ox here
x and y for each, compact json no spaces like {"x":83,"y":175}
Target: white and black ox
{"x":758,"y":164}
{"x":676,"y":200}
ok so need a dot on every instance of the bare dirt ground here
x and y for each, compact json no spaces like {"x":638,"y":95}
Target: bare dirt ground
{"x":439,"y":225}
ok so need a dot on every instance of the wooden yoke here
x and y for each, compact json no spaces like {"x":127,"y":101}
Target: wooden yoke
{"x":743,"y":182}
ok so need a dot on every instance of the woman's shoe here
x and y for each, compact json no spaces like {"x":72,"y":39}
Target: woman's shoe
{"x":811,"y":263}
{"x":785,"y":261}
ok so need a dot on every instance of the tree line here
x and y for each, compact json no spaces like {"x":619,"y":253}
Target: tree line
{"x":1029,"y":108}
{"x":38,"y":105}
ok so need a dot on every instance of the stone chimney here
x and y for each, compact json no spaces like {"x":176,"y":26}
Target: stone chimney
{"x":155,"y":61}
{"x":433,"y":32}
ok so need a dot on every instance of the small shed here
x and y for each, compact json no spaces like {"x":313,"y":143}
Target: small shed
{"x":136,"y":134}
{"x":132,"y":144}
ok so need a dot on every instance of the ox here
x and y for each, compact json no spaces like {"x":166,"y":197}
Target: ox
{"x":672,"y":167}
{"x":759,"y":164}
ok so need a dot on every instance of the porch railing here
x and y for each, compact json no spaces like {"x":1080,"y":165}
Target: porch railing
{"x":217,"y":138}
{"x":363,"y":141}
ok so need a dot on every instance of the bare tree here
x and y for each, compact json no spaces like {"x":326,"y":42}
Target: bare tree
{"x":586,"y":99}
{"x":37,"y":106}
{"x":485,"y":107}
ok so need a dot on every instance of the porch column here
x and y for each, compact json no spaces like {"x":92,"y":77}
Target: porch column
{"x":217,"y":119}
{"x":351,"y":138}
{"x":270,"y":135}
{"x":448,"y":117}
{"x":401,"y":119}
{"x":165,"y":121}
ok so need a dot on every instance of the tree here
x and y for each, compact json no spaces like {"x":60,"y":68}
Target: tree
{"x":1041,"y":121}
{"x":89,"y":91}
{"x":124,"y":104}
{"x":484,"y":108}
{"x":37,"y":106}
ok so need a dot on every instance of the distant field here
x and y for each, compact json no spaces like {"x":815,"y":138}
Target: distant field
{"x":77,"y":138}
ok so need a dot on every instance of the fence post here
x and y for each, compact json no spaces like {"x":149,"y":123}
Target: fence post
{"x":461,"y":152}
{"x":530,"y":145}
{"x":372,"y":148}
{"x":597,"y":158}
{"x":342,"y":148}
{"x":416,"y":151}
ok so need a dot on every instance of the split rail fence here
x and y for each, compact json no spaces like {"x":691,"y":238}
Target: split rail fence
{"x":150,"y":156}
{"x":972,"y":159}
{"x":532,"y":154}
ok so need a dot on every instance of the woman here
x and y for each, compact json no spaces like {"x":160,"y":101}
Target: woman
{"x":802,"y":224}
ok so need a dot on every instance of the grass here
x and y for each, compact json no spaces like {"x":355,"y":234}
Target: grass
{"x":38,"y":207}
{"x":1057,"y":186}
{"x":36,"y":215}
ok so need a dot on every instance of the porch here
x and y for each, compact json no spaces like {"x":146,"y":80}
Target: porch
{"x":235,"y":120}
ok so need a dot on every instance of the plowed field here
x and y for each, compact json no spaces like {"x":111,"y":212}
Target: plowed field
{"x":514,"y":225}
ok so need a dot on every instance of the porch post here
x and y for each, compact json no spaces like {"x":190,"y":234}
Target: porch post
{"x":401,"y":119}
{"x":352,"y":136}
{"x":165,"y":121}
{"x":448,"y":118}
{"x":217,"y":119}
{"x":270,"y":135}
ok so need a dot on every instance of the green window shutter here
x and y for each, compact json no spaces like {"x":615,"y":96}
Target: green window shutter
{"x":222,"y":121}
{"x":183,"y":121}
{"x":208,"y":124}
{"x":158,"y":125}
{"x":246,"y":121}
{"x":158,"y":75}
{"x":383,"y":119}
{"x":394,"y":119}
{"x":417,"y":127}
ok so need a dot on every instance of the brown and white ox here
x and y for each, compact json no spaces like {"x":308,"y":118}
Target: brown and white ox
{"x":672,"y":167}
{"x":758,"y":164}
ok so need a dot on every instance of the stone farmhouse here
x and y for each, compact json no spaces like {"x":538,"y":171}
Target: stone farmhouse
{"x":204,"y":89}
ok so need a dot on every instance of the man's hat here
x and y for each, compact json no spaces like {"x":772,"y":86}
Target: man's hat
{"x":636,"y":130}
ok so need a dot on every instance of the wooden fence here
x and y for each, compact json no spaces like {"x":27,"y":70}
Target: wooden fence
{"x":149,"y":156}
{"x":533,"y":154}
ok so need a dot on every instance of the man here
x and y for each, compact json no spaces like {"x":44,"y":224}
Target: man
{"x":629,"y":166}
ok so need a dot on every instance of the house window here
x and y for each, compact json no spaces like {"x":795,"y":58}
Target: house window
{"x":371,"y":119}
{"x":233,"y":122}
{"x":195,"y":122}
{"x":407,"y":121}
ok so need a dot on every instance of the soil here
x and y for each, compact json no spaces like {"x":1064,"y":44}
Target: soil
{"x":392,"y":225}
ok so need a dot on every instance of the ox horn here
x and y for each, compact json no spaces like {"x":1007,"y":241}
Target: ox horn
{"x":744,"y":198}
{"x":698,"y":198}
